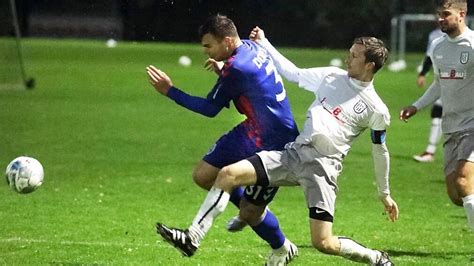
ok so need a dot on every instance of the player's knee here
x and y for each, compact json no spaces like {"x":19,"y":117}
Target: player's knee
{"x":455,"y":199}
{"x":227,"y":178}
{"x":202,"y":180}
{"x":323,"y":245}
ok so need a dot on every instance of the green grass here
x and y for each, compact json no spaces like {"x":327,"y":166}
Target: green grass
{"x":118,"y":157}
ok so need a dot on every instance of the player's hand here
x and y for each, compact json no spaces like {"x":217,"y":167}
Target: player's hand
{"x":257,"y":34}
{"x":407,"y":112}
{"x":420,"y":81}
{"x":159,"y":80}
{"x":391,"y":207}
{"x":213,"y":65}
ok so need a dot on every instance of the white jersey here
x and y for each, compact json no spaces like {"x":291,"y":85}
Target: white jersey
{"x":453,"y":64}
{"x":342,"y":110}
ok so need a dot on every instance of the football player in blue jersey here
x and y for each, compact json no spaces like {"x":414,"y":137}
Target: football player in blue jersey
{"x":248,"y":78}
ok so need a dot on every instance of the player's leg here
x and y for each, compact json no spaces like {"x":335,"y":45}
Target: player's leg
{"x":459,"y":170}
{"x":187,"y":241}
{"x":324,"y":241}
{"x":204,"y":174}
{"x":254,"y":211}
{"x":434,"y":134}
{"x":230,"y":148}
{"x":465,"y":187}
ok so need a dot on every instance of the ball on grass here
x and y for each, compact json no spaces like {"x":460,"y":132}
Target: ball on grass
{"x":111,"y":43}
{"x":184,"y":61}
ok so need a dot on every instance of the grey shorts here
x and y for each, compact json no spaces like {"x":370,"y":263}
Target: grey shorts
{"x":458,"y":146}
{"x":301,"y":165}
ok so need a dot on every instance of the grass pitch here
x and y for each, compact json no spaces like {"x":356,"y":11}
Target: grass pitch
{"x":118,"y":157}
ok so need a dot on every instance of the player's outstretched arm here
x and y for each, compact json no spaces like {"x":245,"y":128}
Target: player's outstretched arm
{"x":159,"y":80}
{"x":284,"y":66}
{"x":407,"y":112}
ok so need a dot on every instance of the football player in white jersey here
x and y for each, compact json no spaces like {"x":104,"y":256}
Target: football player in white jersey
{"x":435,"y":134}
{"x":453,"y":61}
{"x":346,"y":104}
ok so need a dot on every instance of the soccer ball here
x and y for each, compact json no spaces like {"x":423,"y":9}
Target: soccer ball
{"x":24,"y":174}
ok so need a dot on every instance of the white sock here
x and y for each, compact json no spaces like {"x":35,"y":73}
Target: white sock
{"x":468,"y":204}
{"x":214,"y":204}
{"x":356,"y":252}
{"x":435,"y":135}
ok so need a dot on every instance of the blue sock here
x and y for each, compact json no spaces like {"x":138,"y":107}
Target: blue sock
{"x":269,"y":230}
{"x":236,"y":195}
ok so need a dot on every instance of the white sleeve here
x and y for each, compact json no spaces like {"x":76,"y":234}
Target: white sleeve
{"x":430,"y":96}
{"x":284,"y":66}
{"x":381,"y":159}
{"x":307,"y":78}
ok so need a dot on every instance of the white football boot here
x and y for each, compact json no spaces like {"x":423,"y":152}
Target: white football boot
{"x":282,"y":256}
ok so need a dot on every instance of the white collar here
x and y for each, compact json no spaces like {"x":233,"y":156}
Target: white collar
{"x":460,"y":36}
{"x":360,"y":84}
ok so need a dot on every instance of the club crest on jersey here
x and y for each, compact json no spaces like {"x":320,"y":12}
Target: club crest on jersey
{"x":464,"y":57}
{"x":360,"y":107}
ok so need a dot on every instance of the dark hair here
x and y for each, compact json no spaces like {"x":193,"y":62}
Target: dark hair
{"x":219,"y":26}
{"x":375,"y":51}
{"x":457,"y":4}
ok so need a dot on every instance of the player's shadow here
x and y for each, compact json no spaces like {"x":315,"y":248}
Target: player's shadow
{"x":414,"y":253}
{"x":423,"y":254}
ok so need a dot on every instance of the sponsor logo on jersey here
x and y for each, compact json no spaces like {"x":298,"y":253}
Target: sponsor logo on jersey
{"x":360,"y":107}
{"x":453,"y":74}
{"x":464,"y":57}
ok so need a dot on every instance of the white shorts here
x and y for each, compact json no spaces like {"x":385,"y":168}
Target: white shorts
{"x":458,"y":146}
{"x":301,"y":165}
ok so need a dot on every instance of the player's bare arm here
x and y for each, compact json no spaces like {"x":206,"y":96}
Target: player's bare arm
{"x":159,"y":80}
{"x":407,"y":112}
{"x":213,"y":65}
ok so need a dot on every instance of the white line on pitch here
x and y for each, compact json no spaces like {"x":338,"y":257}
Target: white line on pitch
{"x":67,"y":242}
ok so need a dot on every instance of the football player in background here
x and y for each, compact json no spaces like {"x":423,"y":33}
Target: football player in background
{"x":437,"y":109}
{"x":452,"y":57}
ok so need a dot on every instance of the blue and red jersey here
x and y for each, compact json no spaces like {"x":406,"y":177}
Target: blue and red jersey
{"x":249,"y":79}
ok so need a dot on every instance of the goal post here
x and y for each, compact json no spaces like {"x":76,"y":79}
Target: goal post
{"x":12,"y":68}
{"x":398,"y":35}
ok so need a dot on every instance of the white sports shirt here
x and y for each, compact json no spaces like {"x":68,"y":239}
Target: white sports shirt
{"x":343,"y":109}
{"x":453,"y":64}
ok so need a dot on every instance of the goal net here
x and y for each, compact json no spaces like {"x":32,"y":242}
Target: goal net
{"x":12,"y":71}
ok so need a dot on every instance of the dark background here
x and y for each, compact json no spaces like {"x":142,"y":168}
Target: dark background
{"x":314,"y":23}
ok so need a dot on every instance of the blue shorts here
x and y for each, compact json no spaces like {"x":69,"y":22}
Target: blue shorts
{"x":233,"y":147}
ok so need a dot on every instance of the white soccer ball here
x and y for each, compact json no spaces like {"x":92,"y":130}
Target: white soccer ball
{"x":184,"y":61}
{"x":337,"y":62}
{"x":24,"y":174}
{"x":111,"y":43}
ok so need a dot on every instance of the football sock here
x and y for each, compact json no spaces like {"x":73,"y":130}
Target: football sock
{"x":214,"y":204}
{"x":435,"y":135}
{"x":356,"y":252}
{"x":468,"y":204}
{"x":269,"y":230}
{"x":236,"y":195}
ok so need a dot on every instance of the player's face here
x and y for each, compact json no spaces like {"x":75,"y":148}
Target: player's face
{"x":449,"y":20}
{"x":356,"y":66}
{"x":214,"y":48}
